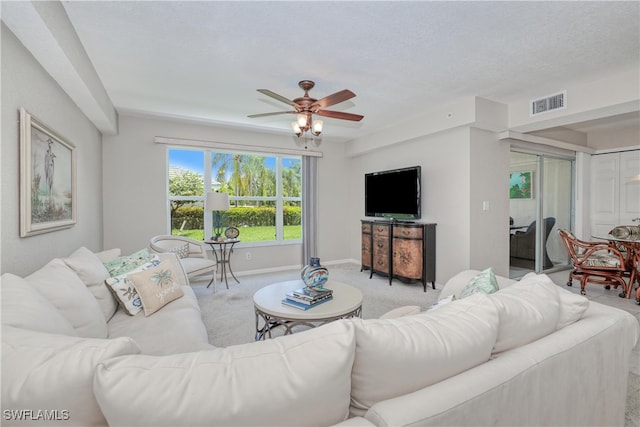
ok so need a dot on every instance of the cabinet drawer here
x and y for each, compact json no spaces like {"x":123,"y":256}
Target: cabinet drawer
{"x":408,"y":232}
{"x":381,"y":230}
{"x":366,"y":228}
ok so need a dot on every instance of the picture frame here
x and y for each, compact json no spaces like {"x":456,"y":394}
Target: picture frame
{"x":47,"y":179}
{"x":521,"y":185}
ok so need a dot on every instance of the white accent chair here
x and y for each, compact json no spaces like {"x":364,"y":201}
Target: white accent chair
{"x":195,"y":260}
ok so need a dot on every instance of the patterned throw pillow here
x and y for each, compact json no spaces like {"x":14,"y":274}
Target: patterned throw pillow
{"x":129,"y":263}
{"x":182,"y":251}
{"x":485,"y":282}
{"x":125,"y":292}
{"x":156,"y":287}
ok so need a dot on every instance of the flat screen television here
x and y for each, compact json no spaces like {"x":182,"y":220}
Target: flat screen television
{"x":393,"y":194}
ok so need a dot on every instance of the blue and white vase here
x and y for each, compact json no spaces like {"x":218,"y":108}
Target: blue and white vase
{"x":313,"y":274}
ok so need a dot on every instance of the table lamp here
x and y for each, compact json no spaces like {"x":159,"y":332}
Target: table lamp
{"x":217,"y":202}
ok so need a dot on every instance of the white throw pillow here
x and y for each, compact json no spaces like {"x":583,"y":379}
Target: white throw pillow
{"x":109,"y":255}
{"x":24,"y":307}
{"x":529,"y":310}
{"x":93,"y":273}
{"x":55,"y":372}
{"x":399,"y":356}
{"x":572,"y":306}
{"x":64,"y":289}
{"x":296,"y":380}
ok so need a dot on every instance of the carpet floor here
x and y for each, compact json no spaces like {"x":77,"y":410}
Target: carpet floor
{"x":230,"y":318}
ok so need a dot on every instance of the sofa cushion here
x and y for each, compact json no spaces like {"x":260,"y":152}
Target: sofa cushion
{"x":24,"y":307}
{"x":399,"y":356}
{"x":64,"y":289}
{"x":295,"y":380}
{"x":177,"y":328}
{"x":485,"y":282}
{"x":529,"y":310}
{"x":109,"y":255}
{"x":572,"y":306}
{"x":55,"y":372}
{"x":93,"y":273}
{"x":193,"y":266}
{"x":157,"y":286}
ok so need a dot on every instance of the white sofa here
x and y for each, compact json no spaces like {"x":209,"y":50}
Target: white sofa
{"x":530,"y":354}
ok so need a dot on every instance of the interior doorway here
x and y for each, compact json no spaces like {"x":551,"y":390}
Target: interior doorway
{"x":540,"y":202}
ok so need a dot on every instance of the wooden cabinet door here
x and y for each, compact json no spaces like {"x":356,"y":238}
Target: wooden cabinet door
{"x":408,"y":252}
{"x":366,"y":246}
{"x":381,"y":248}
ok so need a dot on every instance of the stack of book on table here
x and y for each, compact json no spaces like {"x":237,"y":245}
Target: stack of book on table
{"x":306,"y":298}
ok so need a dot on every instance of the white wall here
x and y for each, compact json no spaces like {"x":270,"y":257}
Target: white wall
{"x":489,"y":202}
{"x":135,"y":206}
{"x":445,"y":159}
{"x":25,"y":84}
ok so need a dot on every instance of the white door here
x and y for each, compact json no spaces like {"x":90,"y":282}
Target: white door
{"x":629,"y":186}
{"x":615,"y":190}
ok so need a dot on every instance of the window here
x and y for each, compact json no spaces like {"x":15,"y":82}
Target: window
{"x":265,"y":193}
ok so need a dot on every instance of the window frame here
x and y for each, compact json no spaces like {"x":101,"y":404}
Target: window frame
{"x":279,"y":199}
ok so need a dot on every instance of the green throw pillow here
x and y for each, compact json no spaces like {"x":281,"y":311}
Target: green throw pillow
{"x":127,"y":263}
{"x":485,"y":281}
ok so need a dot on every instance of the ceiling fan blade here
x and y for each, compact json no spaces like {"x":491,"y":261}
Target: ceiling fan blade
{"x":333,"y":99}
{"x":253,"y":116}
{"x":276,"y":96}
{"x":339,"y":115}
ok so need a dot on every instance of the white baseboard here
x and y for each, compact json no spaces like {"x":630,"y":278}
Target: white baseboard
{"x":291,"y":267}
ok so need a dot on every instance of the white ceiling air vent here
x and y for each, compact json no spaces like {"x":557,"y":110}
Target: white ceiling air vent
{"x":557,"y":101}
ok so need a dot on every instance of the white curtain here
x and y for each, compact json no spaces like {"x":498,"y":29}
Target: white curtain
{"x":309,"y":208}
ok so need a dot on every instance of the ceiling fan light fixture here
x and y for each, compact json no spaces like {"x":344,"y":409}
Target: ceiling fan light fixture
{"x":317,"y":127}
{"x":305,"y":107}
{"x":302,"y":121}
{"x":296,"y":128}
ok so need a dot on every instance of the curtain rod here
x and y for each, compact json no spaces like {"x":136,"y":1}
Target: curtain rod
{"x":235,"y":147}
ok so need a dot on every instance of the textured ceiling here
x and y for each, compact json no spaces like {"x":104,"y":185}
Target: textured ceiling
{"x":205,"y":60}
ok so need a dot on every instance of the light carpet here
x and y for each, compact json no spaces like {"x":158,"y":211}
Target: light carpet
{"x":230,"y":318}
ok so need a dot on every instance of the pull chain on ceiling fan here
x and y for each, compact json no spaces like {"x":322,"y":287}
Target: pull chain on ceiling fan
{"x":305,"y":107}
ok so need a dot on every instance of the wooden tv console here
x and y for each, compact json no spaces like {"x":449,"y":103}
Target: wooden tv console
{"x":400,"y":250}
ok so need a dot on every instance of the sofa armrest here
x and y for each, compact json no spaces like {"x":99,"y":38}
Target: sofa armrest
{"x":507,"y":389}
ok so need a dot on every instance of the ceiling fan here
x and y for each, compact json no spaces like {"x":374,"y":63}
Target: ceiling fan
{"x":305,"y":107}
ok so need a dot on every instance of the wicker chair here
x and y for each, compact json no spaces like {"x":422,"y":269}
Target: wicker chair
{"x":192,"y":254}
{"x":595,"y":262}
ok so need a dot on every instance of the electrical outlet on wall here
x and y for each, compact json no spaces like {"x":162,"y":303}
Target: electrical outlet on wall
{"x":248,"y":256}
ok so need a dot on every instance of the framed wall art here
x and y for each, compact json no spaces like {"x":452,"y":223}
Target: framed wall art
{"x":47,"y":179}
{"x":520,"y":185}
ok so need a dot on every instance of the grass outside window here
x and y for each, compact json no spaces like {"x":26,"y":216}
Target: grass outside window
{"x":249,"y":234}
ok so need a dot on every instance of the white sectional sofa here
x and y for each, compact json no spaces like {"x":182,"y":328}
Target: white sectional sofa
{"x":529,"y":354}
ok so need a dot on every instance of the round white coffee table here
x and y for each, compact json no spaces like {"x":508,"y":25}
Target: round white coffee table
{"x":271,"y":312}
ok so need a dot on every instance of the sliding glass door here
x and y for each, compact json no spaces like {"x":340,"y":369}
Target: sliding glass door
{"x":541,"y":194}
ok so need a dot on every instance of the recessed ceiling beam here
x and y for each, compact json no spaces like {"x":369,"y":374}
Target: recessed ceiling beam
{"x":46,"y":31}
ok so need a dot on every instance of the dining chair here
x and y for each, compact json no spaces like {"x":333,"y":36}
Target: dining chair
{"x":595,"y":262}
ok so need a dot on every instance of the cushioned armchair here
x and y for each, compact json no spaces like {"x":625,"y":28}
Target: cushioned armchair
{"x":192,"y":253}
{"x":522,"y":246}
